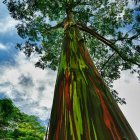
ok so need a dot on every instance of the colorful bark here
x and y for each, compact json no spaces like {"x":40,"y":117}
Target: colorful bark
{"x":83,"y":108}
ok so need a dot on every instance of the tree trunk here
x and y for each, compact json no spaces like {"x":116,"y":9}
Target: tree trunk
{"x":83,"y":107}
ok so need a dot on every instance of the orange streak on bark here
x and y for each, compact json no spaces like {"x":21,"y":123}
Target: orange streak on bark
{"x":59,"y":127}
{"x":90,"y":63}
{"x":67,"y":92}
{"x":57,"y":132}
{"x":107,"y":117}
{"x":88,"y":59}
{"x":59,"y":110}
{"x":60,"y":92}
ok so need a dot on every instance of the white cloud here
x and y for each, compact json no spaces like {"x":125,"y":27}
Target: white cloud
{"x":34,"y":99}
{"x":131,"y":4}
{"x":129,"y":88}
{"x":2,"y":47}
{"x":7,"y":24}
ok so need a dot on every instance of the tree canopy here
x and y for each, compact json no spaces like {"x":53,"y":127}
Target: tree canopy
{"x":15,"y":124}
{"x":110,"y":29}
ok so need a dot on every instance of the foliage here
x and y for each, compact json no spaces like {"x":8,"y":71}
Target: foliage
{"x":41,"y":25}
{"x":17,"y":125}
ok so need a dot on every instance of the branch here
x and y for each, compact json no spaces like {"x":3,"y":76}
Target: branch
{"x":124,"y":37}
{"x":59,"y":25}
{"x":127,"y":38}
{"x":134,"y":36}
{"x":107,"y":42}
{"x":107,"y":61}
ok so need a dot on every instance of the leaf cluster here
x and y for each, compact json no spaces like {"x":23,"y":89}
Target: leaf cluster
{"x":17,"y":125}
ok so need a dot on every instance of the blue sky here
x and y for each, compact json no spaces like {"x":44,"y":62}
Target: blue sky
{"x":31,"y":88}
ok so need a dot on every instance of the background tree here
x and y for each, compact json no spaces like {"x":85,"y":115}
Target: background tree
{"x":44,"y":24}
{"x":17,"y":125}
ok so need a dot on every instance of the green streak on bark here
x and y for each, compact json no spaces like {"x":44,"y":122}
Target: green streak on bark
{"x":77,"y":112}
{"x":95,"y":135}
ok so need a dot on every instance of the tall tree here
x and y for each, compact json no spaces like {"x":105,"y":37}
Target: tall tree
{"x":83,"y":106}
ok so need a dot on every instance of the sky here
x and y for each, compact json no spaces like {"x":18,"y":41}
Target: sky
{"x":31,"y":89}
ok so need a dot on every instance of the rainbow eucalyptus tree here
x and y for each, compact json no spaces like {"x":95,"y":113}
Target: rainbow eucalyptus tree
{"x":73,"y":34}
